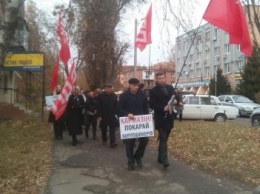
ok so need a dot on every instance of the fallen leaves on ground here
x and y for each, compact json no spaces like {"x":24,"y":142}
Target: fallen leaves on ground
{"x":25,"y":156}
{"x":222,"y":148}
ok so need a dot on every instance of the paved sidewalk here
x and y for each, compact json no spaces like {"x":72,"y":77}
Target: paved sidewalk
{"x":92,"y":168}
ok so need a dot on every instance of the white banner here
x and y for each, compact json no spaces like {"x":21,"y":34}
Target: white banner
{"x":140,"y":126}
{"x":49,"y":101}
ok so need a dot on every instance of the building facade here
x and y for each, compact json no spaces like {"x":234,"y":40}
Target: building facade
{"x":146,"y":74}
{"x":200,"y":52}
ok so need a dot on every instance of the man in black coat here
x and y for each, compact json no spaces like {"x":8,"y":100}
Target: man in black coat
{"x":160,"y":97}
{"x":133,"y":102}
{"x":107,"y":102}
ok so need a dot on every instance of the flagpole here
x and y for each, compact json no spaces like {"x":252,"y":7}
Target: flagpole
{"x":135,"y":49}
{"x":195,"y":35}
{"x":149,"y":66}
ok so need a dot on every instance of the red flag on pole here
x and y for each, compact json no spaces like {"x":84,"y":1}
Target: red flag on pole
{"x":144,"y":36}
{"x":55,"y":75}
{"x":64,"y":41}
{"x":59,"y":106}
{"x":230,"y":17}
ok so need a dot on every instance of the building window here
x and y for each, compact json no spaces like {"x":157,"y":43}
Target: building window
{"x":191,"y":58}
{"x":227,"y":48}
{"x":239,"y":66}
{"x":206,"y":71}
{"x":191,"y":73}
{"x":5,"y":83}
{"x":173,"y":74}
{"x":206,"y":54}
{"x":226,"y":68}
{"x":198,"y":57}
{"x":215,"y":68}
{"x":238,"y":47}
{"x":216,"y":51}
{"x":216,"y":31}
{"x":198,"y":72}
{"x":207,"y":35}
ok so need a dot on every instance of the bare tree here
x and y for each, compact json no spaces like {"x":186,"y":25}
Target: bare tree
{"x":93,"y":26}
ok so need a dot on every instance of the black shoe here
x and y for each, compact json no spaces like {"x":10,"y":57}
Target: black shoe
{"x":159,"y":161}
{"x":139,"y":162}
{"x":113,"y":145}
{"x":130,"y":168}
{"x":94,"y":138}
{"x":74,"y":143}
{"x":166,"y":165}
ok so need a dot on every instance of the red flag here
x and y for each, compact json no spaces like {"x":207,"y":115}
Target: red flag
{"x":230,"y":17}
{"x":55,"y":75}
{"x":144,"y":36}
{"x":64,"y":41}
{"x":59,"y":106}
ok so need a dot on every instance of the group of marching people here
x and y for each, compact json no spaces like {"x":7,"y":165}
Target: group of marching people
{"x":86,"y":108}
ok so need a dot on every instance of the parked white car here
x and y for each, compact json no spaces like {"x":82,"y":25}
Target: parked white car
{"x":207,"y":107}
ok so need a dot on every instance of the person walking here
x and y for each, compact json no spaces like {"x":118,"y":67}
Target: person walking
{"x":58,"y":125}
{"x":131,"y":103}
{"x":75,"y":107}
{"x":91,"y":115}
{"x":107,"y":102}
{"x":160,"y":99}
{"x":179,"y":106}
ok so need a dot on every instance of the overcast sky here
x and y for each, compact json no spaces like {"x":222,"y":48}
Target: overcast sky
{"x":161,"y":41}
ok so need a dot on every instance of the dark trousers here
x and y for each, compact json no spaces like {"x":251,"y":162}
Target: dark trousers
{"x":163,"y":147}
{"x":179,"y":112}
{"x":91,"y":120}
{"x":129,"y":148}
{"x":58,"y":129}
{"x":112,"y":136}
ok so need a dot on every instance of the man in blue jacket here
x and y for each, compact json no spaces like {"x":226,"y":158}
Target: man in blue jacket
{"x":131,"y":103}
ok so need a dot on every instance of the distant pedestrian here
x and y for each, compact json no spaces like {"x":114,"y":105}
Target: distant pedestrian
{"x":179,"y":105}
{"x":160,"y":95}
{"x":75,"y":114}
{"x":131,"y":103}
{"x":107,"y":102}
{"x":58,"y":125}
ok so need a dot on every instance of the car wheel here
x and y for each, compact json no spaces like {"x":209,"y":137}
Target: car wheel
{"x":255,"y":121}
{"x":220,"y":118}
{"x":240,"y":114}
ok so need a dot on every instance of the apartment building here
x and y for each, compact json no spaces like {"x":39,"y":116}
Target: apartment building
{"x":200,"y":52}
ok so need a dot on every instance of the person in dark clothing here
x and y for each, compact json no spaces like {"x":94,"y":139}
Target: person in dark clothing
{"x":91,"y":114}
{"x":75,"y":114}
{"x":179,"y":106}
{"x":58,"y":125}
{"x":107,"y":102}
{"x":133,"y":102}
{"x":160,"y":95}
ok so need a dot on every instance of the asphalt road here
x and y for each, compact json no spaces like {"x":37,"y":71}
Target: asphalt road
{"x":241,"y":121}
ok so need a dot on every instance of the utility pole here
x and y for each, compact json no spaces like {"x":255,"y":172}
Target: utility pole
{"x":216,"y":79}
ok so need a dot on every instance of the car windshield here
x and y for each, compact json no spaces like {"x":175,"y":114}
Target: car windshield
{"x":241,"y":99}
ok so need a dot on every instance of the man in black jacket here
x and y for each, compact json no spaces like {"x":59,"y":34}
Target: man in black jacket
{"x":133,"y":102}
{"x":160,"y":97}
{"x":107,"y":101}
